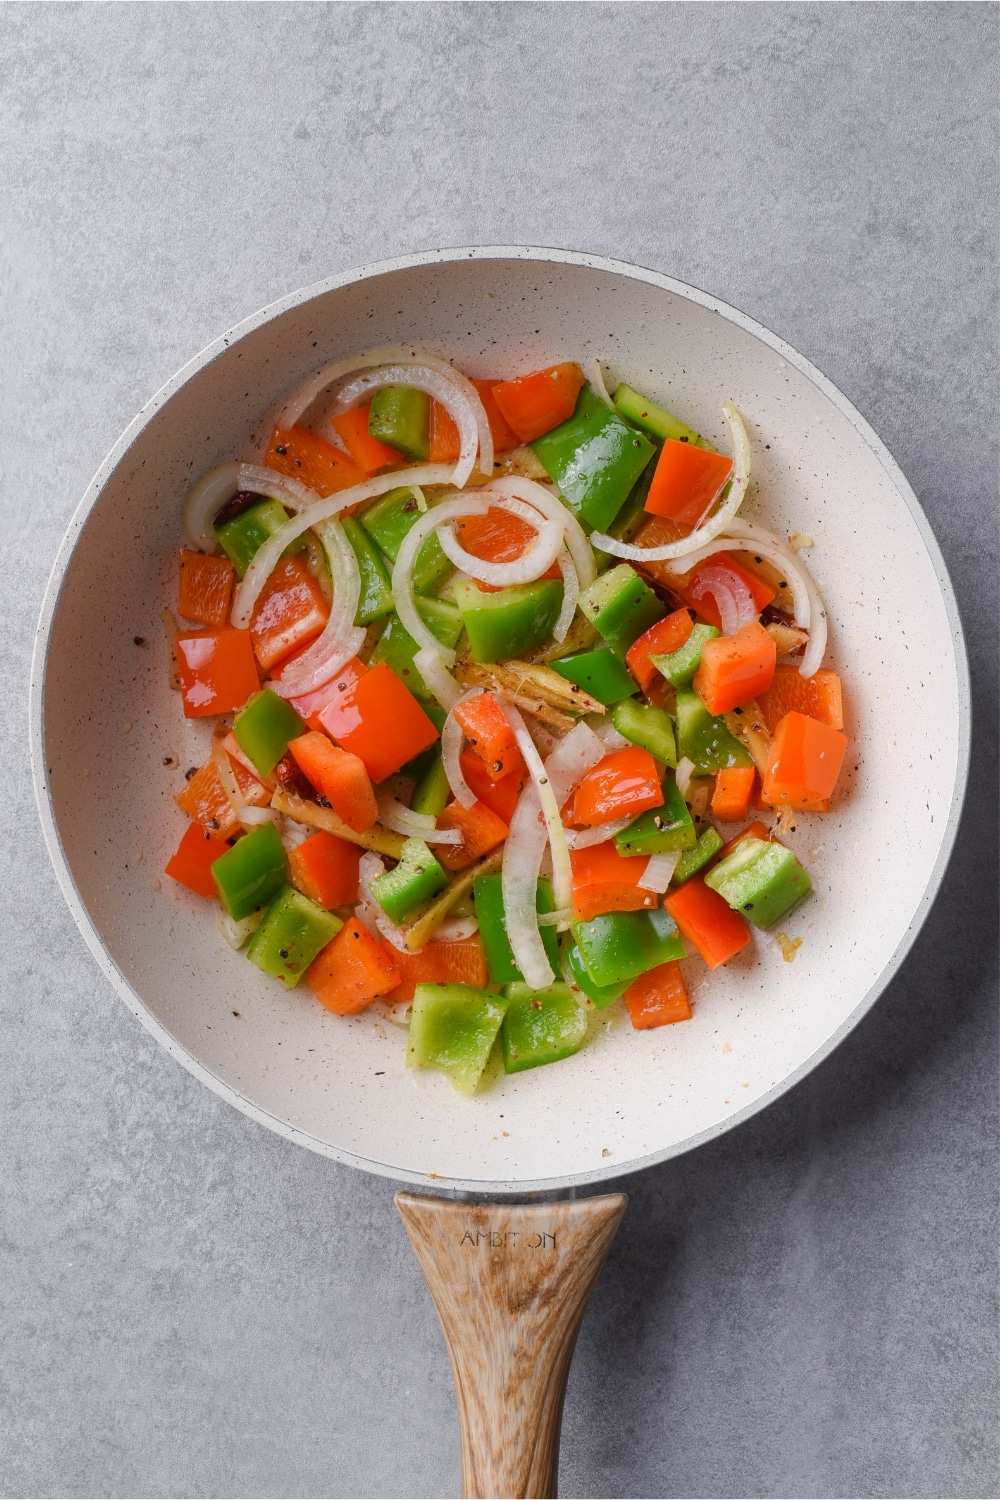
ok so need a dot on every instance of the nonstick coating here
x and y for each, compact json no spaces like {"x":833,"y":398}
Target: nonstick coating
{"x":104,"y":724}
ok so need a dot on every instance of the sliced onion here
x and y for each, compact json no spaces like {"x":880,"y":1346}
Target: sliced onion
{"x":571,"y":594}
{"x":457,"y":395}
{"x":562,"y":873}
{"x":236,"y":933}
{"x":714,"y":526}
{"x":556,"y":918}
{"x":402,"y":580}
{"x":452,"y":735}
{"x":204,"y":501}
{"x":585,"y":838}
{"x":456,"y":929}
{"x":551,"y":506}
{"x":260,"y":480}
{"x":607,"y":734}
{"x":437,"y":677}
{"x":341,"y":638}
{"x":733,"y":598}
{"x":227,"y":776}
{"x":683,"y":774}
{"x":402,"y":819}
{"x":597,"y":383}
{"x":522,"y":863}
{"x":532,"y":563}
{"x":576,"y":753}
{"x":659,"y":872}
{"x":798,"y":576}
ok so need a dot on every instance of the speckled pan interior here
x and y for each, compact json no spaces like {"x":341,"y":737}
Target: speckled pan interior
{"x":104,"y":724}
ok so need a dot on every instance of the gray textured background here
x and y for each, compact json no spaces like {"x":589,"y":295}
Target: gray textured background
{"x":191,"y":1306}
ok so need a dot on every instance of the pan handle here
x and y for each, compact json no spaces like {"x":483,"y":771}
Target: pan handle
{"x":510,"y":1283}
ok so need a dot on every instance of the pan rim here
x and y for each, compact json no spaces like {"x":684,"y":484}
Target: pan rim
{"x":53,"y":589}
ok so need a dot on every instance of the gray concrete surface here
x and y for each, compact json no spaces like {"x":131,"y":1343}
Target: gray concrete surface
{"x":189,"y":1305}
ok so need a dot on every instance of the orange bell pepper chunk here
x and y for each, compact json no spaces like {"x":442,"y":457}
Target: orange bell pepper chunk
{"x":704,"y":606}
{"x":205,"y":588}
{"x":310,"y":705}
{"x":818,"y":696}
{"x":658,"y":998}
{"x":338,"y":776}
{"x":444,"y":443}
{"x":191,"y":865}
{"x":735,"y":668}
{"x":378,"y":719}
{"x":290,"y":612}
{"x":708,"y":922}
{"x":498,"y":536}
{"x":325,"y":869}
{"x":489,"y":734}
{"x":803,"y":764}
{"x":352,"y":971}
{"x":534,"y":404}
{"x":660,"y":639}
{"x":499,"y":796}
{"x":623,"y":784}
{"x":603,"y":880}
{"x":687,"y":482}
{"x":204,"y":799}
{"x":481,"y":831}
{"x":441,"y":963}
{"x":304,"y":455}
{"x":217,"y":671}
{"x":367,"y":452}
{"x":733,"y":794}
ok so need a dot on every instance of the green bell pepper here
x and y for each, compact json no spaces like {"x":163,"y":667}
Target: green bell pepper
{"x":252,"y":872}
{"x":761,"y":879}
{"x":650,"y":728}
{"x":433,"y":793}
{"x":376,"y":590}
{"x":705,"y":740}
{"x":599,"y":673}
{"x":389,"y":520}
{"x":397,"y":648}
{"x":511,"y":621}
{"x":242,"y":537}
{"x":600,"y":995}
{"x":595,"y":458}
{"x":488,"y":892}
{"x":707,"y":847}
{"x":540,"y":1026}
{"x":680,"y":666}
{"x":416,"y":878}
{"x":293,"y":932}
{"x":655,"y":420}
{"x":264,"y":728}
{"x":400,"y":415}
{"x":659,"y":830}
{"x":620,"y":945}
{"x":621,"y":606}
{"x":453,"y":1028}
{"x":633,"y":513}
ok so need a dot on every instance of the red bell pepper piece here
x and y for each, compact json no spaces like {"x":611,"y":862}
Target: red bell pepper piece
{"x":290,"y":612}
{"x":205,"y":588}
{"x":441,"y":963}
{"x":490,"y":735}
{"x":733,"y":794}
{"x":481,"y":831}
{"x":499,"y":796}
{"x":685,"y":586}
{"x":708,"y":922}
{"x":498,"y":536}
{"x":803,"y":764}
{"x":818,"y":696}
{"x":687,"y":482}
{"x":368,"y":453}
{"x":658,"y":998}
{"x":534,"y":404}
{"x":444,"y":443}
{"x":352,"y":971}
{"x":378,"y":719}
{"x":325,"y":869}
{"x":340,"y":777}
{"x":191,"y":865}
{"x":603,"y":880}
{"x":735,"y":668}
{"x":623,"y":784}
{"x":310,"y":705}
{"x":204,"y":800}
{"x":305,"y":456}
{"x":217,"y":671}
{"x":661,"y":639}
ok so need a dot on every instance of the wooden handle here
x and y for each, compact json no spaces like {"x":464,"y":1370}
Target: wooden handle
{"x":510,"y":1283}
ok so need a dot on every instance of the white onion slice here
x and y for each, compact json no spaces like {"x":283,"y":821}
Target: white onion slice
{"x":585,"y":838}
{"x":236,"y":933}
{"x":227,"y":776}
{"x":532,"y":563}
{"x":571,"y":594}
{"x":341,"y":638}
{"x":597,"y":383}
{"x":551,"y":506}
{"x":576,"y":753}
{"x":732,"y":596}
{"x":607,"y":734}
{"x":683,"y":774}
{"x":522,"y":863}
{"x":402,"y":581}
{"x":714,"y":526}
{"x":462,"y":403}
{"x":562,"y":873}
{"x":556,"y":918}
{"x":402,"y":819}
{"x":205,"y":500}
{"x":260,"y":480}
{"x":452,"y":735}
{"x":456,"y":929}
{"x":659,"y":872}
{"x":797,"y":574}
{"x":437,"y":677}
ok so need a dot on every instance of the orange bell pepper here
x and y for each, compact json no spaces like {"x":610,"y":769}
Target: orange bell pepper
{"x":445,"y":446}
{"x":803,"y":764}
{"x":204,"y":799}
{"x":687,"y":482}
{"x":733,"y":794}
{"x":660,"y":639}
{"x":481,"y":831}
{"x":708,"y":922}
{"x":352,"y":971}
{"x":205,"y":588}
{"x":533,"y":404}
{"x":217,"y":671}
{"x":603,"y":880}
{"x":338,"y":776}
{"x":658,"y":998}
{"x":304,"y":455}
{"x":378,"y":719}
{"x":499,"y":796}
{"x":310,"y":705}
{"x":290,"y":612}
{"x":735,"y":668}
{"x":367,"y":452}
{"x":498,"y":536}
{"x":325,"y":869}
{"x":623,"y":784}
{"x":441,"y":963}
{"x":818,"y":696}
{"x":704,"y":605}
{"x":191,"y":865}
{"x":489,"y":735}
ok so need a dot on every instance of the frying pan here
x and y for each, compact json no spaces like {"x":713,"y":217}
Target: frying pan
{"x":509,"y":1261}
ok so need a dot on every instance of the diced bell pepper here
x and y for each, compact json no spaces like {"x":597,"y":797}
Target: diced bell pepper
{"x":191,"y":864}
{"x":803,"y":764}
{"x":367,"y":452}
{"x":661,"y":640}
{"x":680,"y":666}
{"x":540,"y":1026}
{"x":623,"y":784}
{"x":432,"y":792}
{"x":489,"y":734}
{"x":452,"y":1029}
{"x":217,"y":670}
{"x":264,"y":728}
{"x":618,"y":946}
{"x":325,"y":868}
{"x":604,"y":881}
{"x":290,"y":612}
{"x":705,"y":740}
{"x":595,"y":458}
{"x":242,"y":537}
{"x":205,"y":588}
{"x":707,"y":847}
{"x":397,"y":649}
{"x":416,"y":878}
{"x":339,"y":776}
{"x":509,"y":622}
{"x":735,"y":668}
{"x":488,"y":892}
{"x":762,"y":879}
{"x":600,"y":995}
{"x":658,"y":998}
{"x":252,"y":872}
{"x":389,"y":520}
{"x":599,"y":673}
{"x":441,"y":963}
{"x":621,"y":606}
{"x":662,"y":830}
{"x":718,"y":932}
{"x":481,"y":830}
{"x":687,"y":483}
{"x":352,"y":971}
{"x":400,"y":416}
{"x":533,"y":404}
{"x":655,"y":420}
{"x":376,"y":591}
{"x":818,"y":697}
{"x":303,"y":455}
{"x":293,"y":931}
{"x":499,"y":796}
{"x":650,"y":728}
{"x":378,"y":719}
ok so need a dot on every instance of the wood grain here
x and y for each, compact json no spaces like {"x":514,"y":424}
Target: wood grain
{"x":510,"y":1283}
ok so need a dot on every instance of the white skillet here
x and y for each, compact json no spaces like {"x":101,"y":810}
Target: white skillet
{"x":104,"y":722}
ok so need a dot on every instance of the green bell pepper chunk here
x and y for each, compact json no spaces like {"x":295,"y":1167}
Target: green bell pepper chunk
{"x":252,"y":872}
{"x":376,"y":590}
{"x":600,"y":995}
{"x":680,"y":666}
{"x":599,"y":673}
{"x":488,"y":893}
{"x":263,"y":729}
{"x":621,"y":606}
{"x":511,"y":621}
{"x":707,"y":847}
{"x":293,"y":932}
{"x":416,"y":878}
{"x":400,"y":415}
{"x":540,"y":1026}
{"x":397,"y":648}
{"x":242,"y":537}
{"x":433,"y":792}
{"x":389,"y":520}
{"x":632,"y":514}
{"x":705,"y":740}
{"x":650,"y":728}
{"x":659,"y":830}
{"x":655,"y":420}
{"x":453,"y":1028}
{"x":761,"y":879}
{"x":620,"y":945}
{"x":595,"y":458}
